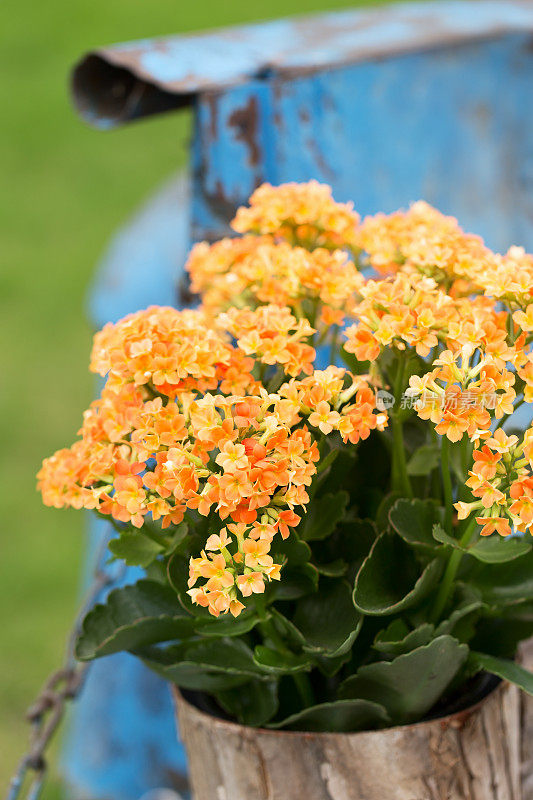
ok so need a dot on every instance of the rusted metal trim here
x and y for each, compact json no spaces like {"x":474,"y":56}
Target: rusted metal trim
{"x":113,"y":85}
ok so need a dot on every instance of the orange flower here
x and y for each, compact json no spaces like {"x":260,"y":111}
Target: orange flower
{"x":494,"y":524}
{"x":302,"y":213}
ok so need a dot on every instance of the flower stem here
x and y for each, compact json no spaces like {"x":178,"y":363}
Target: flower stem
{"x":450,"y":572}
{"x":400,"y":478}
{"x":447,"y":484}
{"x":301,"y":681}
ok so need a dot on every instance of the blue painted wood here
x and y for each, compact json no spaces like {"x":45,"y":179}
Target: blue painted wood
{"x":171,"y":70}
{"x":121,"y":740}
{"x":451,"y":124}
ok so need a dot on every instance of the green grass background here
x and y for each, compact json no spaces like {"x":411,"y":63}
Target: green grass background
{"x":67,"y":187}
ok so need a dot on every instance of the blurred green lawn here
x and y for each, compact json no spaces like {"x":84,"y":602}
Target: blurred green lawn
{"x":66,"y":189}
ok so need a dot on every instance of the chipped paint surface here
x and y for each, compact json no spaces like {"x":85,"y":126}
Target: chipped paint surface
{"x":452,"y":126}
{"x":115,"y":84}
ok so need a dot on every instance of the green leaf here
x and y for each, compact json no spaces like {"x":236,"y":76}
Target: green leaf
{"x":226,"y":625}
{"x":135,"y":549}
{"x":280,"y":663}
{"x":132,"y":617}
{"x":293,"y":550}
{"x":333,"y":569}
{"x":352,"y":541}
{"x":189,"y":675}
{"x":462,"y":621}
{"x":295,"y":583}
{"x":341,"y":716}
{"x":382,"y":513}
{"x":500,"y":637}
{"x":489,"y":549}
{"x":253,"y":703}
{"x":440,"y":535}
{"x":411,"y":684}
{"x":212,"y":665}
{"x":323,"y":515}
{"x":497,"y":550}
{"x":413,"y":520}
{"x":328,"y":620}
{"x":389,"y":580}
{"x":397,"y":639}
{"x":424,"y":460}
{"x":505,"y":584}
{"x":507,"y":670}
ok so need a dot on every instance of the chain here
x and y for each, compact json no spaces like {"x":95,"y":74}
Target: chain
{"x":48,"y":710}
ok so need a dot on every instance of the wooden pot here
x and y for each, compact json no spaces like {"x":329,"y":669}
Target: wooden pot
{"x":471,"y":755}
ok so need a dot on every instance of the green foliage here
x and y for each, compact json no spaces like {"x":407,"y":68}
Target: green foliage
{"x":507,"y":670}
{"x":424,"y":460}
{"x":413,"y":520}
{"x":490,"y":550}
{"x":341,"y":716}
{"x":390,"y":580}
{"x":131,"y":618}
{"x":135,"y":549}
{"x":410,"y":685}
{"x":323,"y":516}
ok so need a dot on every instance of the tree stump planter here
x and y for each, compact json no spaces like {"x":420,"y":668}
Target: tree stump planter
{"x":471,"y":755}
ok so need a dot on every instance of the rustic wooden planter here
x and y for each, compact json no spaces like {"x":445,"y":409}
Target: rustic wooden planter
{"x":472,"y":755}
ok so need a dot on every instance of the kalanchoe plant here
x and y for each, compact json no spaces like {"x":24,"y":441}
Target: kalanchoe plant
{"x":317,"y":468}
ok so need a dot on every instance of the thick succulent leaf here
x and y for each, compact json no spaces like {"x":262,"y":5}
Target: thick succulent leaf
{"x":132,"y":617}
{"x":341,"y":716}
{"x":488,"y":549}
{"x":497,"y":550}
{"x":226,"y":625}
{"x":351,"y":542}
{"x":440,"y":535}
{"x":389,"y":580}
{"x":254,"y":703}
{"x":382,"y":513}
{"x":295,"y":582}
{"x":397,"y":639}
{"x":276,"y":663}
{"x":507,"y":670}
{"x":135,"y":549}
{"x":333,"y":569}
{"x":193,"y":676}
{"x":411,"y":684}
{"x":424,"y":460}
{"x":293,"y":551}
{"x":328,"y":620}
{"x":323,"y":515}
{"x":413,"y":520}
{"x":500,"y":637}
{"x":505,"y":584}
{"x":206,"y":666}
{"x":461,"y":622}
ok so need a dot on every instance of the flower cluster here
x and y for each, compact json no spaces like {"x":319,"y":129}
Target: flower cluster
{"x":169,"y":352}
{"x":401,"y":311}
{"x":255,"y":270}
{"x":219,"y":412}
{"x":509,"y":278}
{"x":425,"y":241}
{"x":502,"y":481}
{"x":300,"y":213}
{"x":273,"y":335}
{"x":457,"y":394}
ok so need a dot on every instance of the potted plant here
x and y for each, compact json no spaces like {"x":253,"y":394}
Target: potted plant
{"x":318,"y":470}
